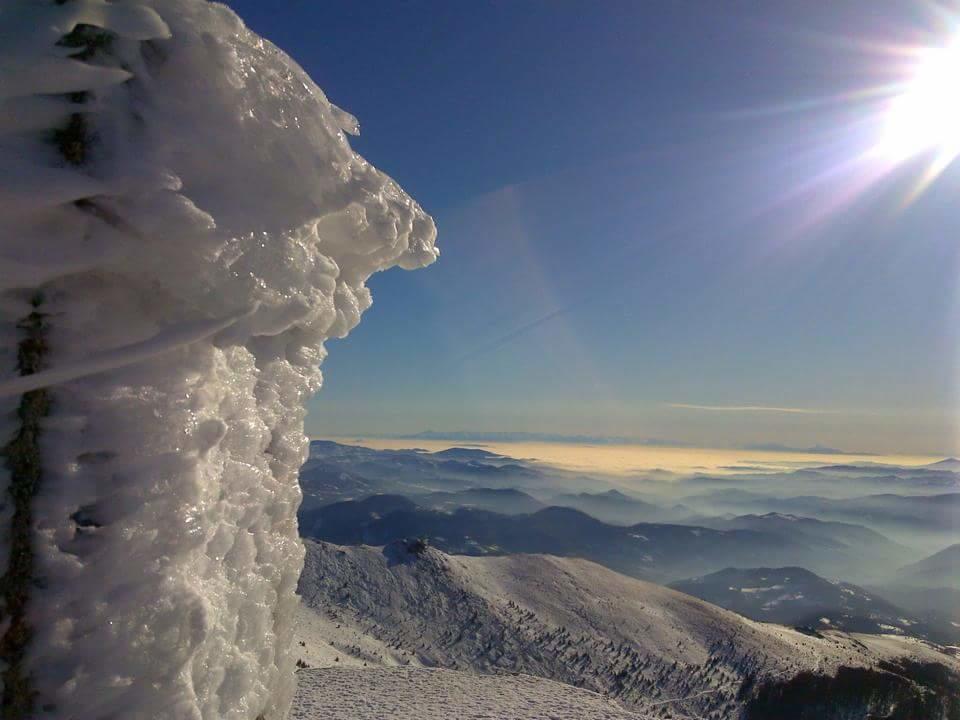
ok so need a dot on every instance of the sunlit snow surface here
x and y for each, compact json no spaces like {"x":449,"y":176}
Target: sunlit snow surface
{"x":422,"y":694}
{"x":232,"y":231}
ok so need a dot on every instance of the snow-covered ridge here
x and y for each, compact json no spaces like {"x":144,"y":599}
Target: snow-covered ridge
{"x":659,"y":652}
{"x":182,"y":225}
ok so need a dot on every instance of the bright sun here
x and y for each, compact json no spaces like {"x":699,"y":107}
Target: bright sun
{"x":925,"y":117}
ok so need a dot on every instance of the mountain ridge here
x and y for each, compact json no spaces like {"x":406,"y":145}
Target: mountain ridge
{"x":658,"y":651}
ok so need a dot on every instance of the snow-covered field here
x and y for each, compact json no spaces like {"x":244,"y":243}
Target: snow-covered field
{"x":431,"y":694}
{"x":657,"y":651}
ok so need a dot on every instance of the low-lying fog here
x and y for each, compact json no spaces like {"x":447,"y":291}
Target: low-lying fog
{"x":626,"y":460}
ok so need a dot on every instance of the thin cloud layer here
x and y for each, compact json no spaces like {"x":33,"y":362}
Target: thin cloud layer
{"x":750,"y":408}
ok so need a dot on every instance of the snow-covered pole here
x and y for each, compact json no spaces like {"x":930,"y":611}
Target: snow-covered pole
{"x":22,"y":459}
{"x":22,"y":454}
{"x":182,"y":225}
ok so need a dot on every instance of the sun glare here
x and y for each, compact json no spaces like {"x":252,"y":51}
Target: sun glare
{"x":925,"y":117}
{"x":898,"y":132}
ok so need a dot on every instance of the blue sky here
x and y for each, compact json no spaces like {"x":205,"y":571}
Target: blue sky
{"x":647,"y":222}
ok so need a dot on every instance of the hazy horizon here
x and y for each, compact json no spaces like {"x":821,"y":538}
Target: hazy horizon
{"x":625,"y":458}
{"x":761,"y":442}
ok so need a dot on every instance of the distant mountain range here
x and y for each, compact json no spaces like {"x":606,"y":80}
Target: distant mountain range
{"x":813,"y":450}
{"x":845,"y":536}
{"x":648,"y":550}
{"x":829,"y":535}
{"x":521,"y":437}
{"x":927,"y":521}
{"x":797,"y":597}
{"x":464,"y":436}
{"x":467,"y":454}
{"x":612,"y":506}
{"x":335,"y":472}
{"x":951,"y":464}
{"x":940,"y":570}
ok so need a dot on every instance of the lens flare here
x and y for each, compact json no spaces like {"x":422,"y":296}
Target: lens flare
{"x":925,"y":117}
{"x":903,"y":133}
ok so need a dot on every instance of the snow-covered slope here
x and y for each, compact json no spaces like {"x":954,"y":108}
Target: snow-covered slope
{"x":182,"y":225}
{"x":658,"y":651}
{"x":422,"y":694}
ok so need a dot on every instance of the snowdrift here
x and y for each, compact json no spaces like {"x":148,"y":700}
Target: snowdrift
{"x":182,"y":225}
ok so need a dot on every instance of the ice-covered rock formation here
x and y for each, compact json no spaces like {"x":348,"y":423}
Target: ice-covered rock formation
{"x":182,"y":225}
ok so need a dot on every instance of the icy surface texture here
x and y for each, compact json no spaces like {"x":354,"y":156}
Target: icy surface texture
{"x":433,"y":694}
{"x":190,"y":259}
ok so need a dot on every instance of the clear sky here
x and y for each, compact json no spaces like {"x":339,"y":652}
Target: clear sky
{"x":655,"y":221}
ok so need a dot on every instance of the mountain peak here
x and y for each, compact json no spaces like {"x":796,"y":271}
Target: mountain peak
{"x":950,"y":463}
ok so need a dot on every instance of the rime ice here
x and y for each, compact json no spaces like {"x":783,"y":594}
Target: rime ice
{"x":189,"y":265}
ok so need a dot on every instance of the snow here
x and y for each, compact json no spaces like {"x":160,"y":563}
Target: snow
{"x":891,"y":628}
{"x":424,"y":694}
{"x":752,"y":590}
{"x":225,"y":231}
{"x":328,"y":638}
{"x":787,"y":597}
{"x":651,"y":648}
{"x":165,"y":341}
